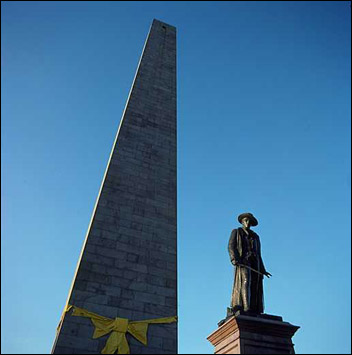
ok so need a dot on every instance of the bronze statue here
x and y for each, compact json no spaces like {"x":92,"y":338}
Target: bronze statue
{"x":244,"y":250}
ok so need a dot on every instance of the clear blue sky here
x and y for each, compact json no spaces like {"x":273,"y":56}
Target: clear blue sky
{"x":263,"y":126}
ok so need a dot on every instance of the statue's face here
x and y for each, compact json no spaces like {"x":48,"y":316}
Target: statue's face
{"x":245,"y":222}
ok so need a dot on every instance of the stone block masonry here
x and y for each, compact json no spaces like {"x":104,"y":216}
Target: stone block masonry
{"x":128,"y":264}
{"x":255,"y":334}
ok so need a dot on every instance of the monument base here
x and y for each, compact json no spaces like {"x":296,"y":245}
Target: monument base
{"x":253,"y":334}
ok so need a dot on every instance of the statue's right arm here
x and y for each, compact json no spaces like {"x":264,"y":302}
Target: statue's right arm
{"x":233,"y":252}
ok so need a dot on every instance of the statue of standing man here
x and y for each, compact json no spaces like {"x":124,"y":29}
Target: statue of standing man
{"x":245,"y":255}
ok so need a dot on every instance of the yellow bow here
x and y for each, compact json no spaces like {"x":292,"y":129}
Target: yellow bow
{"x":118,"y":328}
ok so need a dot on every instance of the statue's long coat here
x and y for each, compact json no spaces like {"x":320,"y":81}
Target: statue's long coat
{"x":238,"y":249}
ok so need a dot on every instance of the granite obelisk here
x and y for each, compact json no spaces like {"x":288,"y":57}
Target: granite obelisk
{"x":128,"y":263}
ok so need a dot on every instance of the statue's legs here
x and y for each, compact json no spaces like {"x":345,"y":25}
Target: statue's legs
{"x":246,"y":288}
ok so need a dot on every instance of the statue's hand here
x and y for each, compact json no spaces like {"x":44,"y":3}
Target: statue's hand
{"x":267,"y":274}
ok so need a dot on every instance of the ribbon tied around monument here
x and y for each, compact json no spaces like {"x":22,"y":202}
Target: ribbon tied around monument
{"x":118,"y":328}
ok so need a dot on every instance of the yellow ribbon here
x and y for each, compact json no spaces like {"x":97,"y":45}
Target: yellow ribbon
{"x":118,"y":328}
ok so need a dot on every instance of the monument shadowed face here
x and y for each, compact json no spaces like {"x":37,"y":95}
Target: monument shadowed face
{"x":246,"y":223}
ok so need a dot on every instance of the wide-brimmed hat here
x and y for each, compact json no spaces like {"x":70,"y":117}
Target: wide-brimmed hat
{"x":252,"y":219}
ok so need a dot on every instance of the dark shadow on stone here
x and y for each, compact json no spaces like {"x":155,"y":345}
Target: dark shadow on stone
{"x":238,"y":311}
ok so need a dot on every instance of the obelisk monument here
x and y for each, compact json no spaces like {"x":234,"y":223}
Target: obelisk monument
{"x":128,"y":263}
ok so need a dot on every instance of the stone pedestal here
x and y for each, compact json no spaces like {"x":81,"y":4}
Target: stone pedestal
{"x":263,"y":334}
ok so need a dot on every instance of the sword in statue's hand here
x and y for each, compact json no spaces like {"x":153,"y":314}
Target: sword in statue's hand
{"x":267,"y":274}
